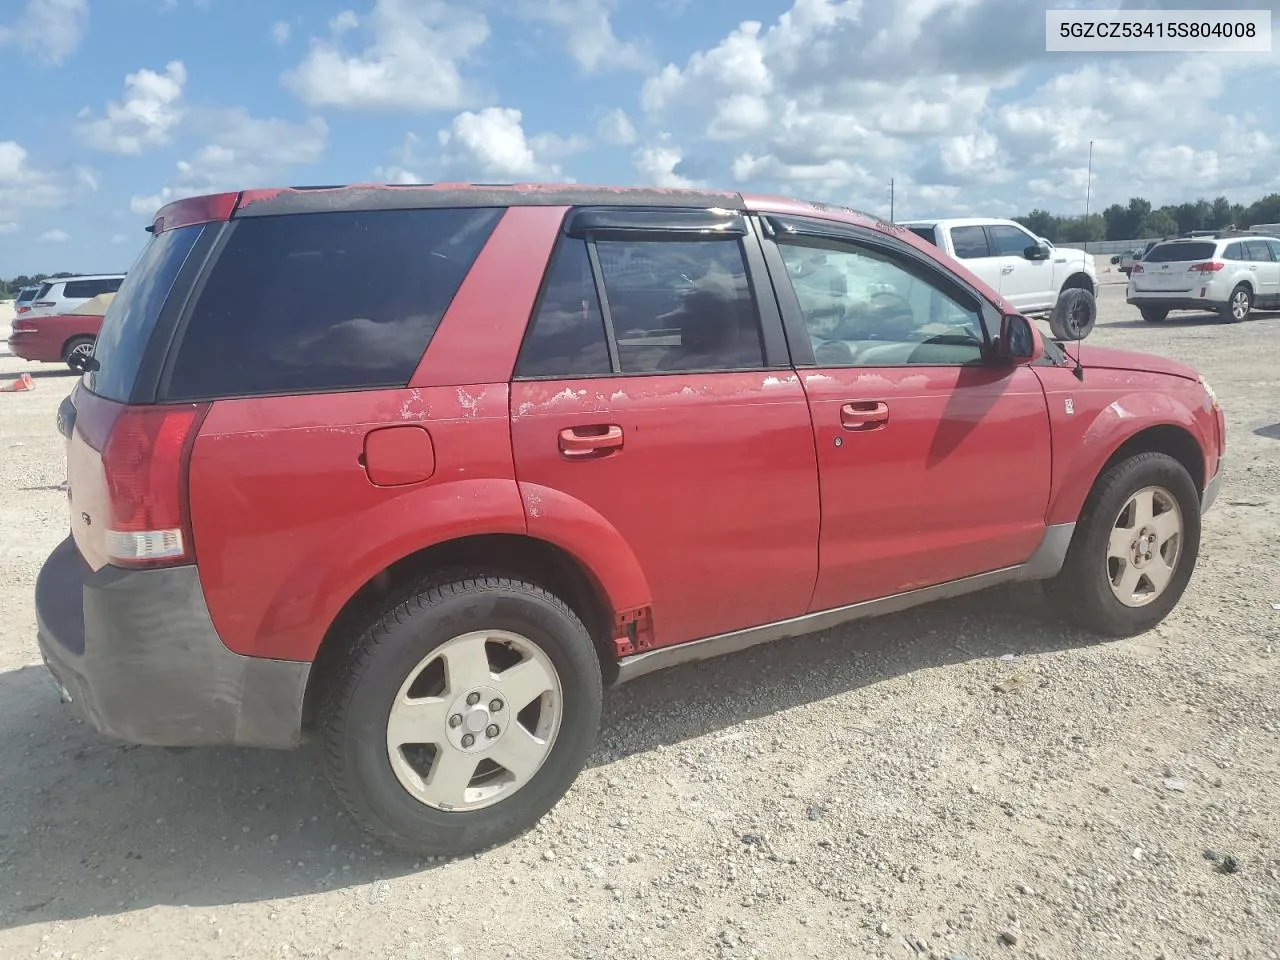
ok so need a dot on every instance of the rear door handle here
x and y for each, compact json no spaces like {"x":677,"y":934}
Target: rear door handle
{"x":864,"y":415}
{"x":590,"y":442}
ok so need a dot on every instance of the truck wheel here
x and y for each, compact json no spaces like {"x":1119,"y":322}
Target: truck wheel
{"x":1238,"y":304}
{"x":77,"y":347}
{"x":1073,"y":315}
{"x":1134,"y":548}
{"x":1154,"y":314}
{"x":462,"y":715}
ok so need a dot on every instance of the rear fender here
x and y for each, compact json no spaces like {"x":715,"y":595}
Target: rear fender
{"x":1111,"y":428}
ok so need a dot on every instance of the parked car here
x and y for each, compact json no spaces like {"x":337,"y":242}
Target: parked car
{"x":1229,"y":274}
{"x":570,"y":436}
{"x":65,"y":294}
{"x":22,"y":302}
{"x":1037,"y":278}
{"x":62,"y":336}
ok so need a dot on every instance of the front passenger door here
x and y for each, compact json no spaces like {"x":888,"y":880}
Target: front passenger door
{"x":933,"y":458}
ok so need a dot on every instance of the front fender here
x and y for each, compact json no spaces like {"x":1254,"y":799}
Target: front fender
{"x":312,"y":595}
{"x":1110,"y":428}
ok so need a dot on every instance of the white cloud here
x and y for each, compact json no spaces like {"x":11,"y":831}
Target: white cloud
{"x":151,"y":109}
{"x":492,"y":143}
{"x":346,"y":20}
{"x":616,"y":128}
{"x":24,"y":187}
{"x":242,"y":152}
{"x":656,"y":164}
{"x":413,"y":60}
{"x":55,"y":236}
{"x":589,"y":36}
{"x":281,"y":30}
{"x":49,"y":30}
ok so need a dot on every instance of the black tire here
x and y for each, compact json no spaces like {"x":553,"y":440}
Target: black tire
{"x":355,"y":714}
{"x":1154,"y":314}
{"x":1082,"y":590}
{"x":1073,"y":315}
{"x":1244,"y":295}
{"x":75,"y":345}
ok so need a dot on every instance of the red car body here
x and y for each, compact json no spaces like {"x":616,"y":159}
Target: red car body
{"x":48,"y":339}
{"x":221,"y":543}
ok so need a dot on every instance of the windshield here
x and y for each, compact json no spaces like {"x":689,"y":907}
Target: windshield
{"x":1180,"y":252}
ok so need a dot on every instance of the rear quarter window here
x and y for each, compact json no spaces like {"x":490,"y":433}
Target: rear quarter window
{"x":925,"y":233}
{"x":308,"y":303}
{"x":1180,"y":252}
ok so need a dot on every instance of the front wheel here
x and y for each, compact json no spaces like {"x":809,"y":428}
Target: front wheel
{"x":1134,"y":548}
{"x":463,"y":715}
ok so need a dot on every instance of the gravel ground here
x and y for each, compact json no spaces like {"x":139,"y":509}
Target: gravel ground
{"x":862,"y":793}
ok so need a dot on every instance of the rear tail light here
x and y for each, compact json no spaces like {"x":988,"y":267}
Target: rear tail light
{"x":145,"y":462}
{"x":1137,"y":268}
{"x":1211,"y":267}
{"x":21,"y":310}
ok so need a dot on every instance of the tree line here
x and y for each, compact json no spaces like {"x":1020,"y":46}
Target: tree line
{"x":9,"y":288}
{"x":1138,"y":220}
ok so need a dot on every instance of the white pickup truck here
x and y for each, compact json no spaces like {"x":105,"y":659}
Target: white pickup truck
{"x":1032,"y":274}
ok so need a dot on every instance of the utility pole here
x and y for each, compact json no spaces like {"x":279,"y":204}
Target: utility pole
{"x":891,"y":200}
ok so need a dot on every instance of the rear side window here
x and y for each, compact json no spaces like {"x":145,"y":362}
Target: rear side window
{"x":43,"y":293}
{"x":26,"y":296}
{"x":132,"y":316}
{"x":1257,"y":250}
{"x":1180,"y":252}
{"x":1234,"y":251}
{"x":88,"y":289}
{"x":308,"y":303}
{"x":969,"y":242}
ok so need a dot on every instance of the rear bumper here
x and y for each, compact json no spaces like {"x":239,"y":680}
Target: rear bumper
{"x":1179,"y":301}
{"x":138,"y":655}
{"x":31,"y":346}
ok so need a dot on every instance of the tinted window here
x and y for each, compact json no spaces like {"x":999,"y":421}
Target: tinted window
{"x":1275,"y":249}
{"x":1180,"y":252}
{"x":81,"y":289}
{"x":680,"y":305}
{"x":1008,"y":241}
{"x":566,"y":338}
{"x":1234,"y":251}
{"x":325,"y":301}
{"x":26,"y":296}
{"x":883,"y":313}
{"x":45,"y":289}
{"x":969,"y":242}
{"x":925,"y":233}
{"x":1256,"y":250}
{"x":132,"y":316}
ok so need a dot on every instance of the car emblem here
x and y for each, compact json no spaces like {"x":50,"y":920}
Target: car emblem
{"x":1069,"y":405}
{"x":85,"y":519}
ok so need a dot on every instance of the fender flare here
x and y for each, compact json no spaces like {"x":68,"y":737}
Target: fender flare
{"x":1116,"y":424}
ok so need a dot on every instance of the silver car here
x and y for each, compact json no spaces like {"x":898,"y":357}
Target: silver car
{"x":1229,"y":274}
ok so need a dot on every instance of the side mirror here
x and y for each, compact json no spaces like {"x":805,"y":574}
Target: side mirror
{"x":1019,"y":341}
{"x":1037,"y":251}
{"x":1115,"y":259}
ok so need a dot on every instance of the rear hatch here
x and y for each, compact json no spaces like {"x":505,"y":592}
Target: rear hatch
{"x":126,"y":456}
{"x":1175,"y":267}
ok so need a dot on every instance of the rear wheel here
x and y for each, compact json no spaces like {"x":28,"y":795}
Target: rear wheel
{"x":1154,"y":314}
{"x":1073,"y":315}
{"x":1134,"y":548}
{"x":77,"y":347}
{"x":1238,"y":305}
{"x":463,"y":715}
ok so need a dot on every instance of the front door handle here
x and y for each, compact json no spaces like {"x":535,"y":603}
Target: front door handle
{"x":590,"y":442}
{"x":864,"y":415}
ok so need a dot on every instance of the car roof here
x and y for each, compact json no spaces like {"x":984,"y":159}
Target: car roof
{"x":85,"y":276}
{"x":958,"y":222}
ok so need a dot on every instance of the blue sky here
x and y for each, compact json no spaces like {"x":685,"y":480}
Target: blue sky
{"x":115,"y":106}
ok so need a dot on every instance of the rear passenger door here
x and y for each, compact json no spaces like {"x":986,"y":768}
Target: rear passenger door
{"x":933,"y":458}
{"x":654,"y":389}
{"x":1266,"y":269}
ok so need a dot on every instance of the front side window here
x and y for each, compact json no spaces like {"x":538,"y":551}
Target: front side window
{"x":969,"y":243}
{"x":883,"y":312}
{"x":1009,"y":241}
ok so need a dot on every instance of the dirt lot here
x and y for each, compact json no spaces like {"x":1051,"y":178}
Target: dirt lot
{"x":863,"y":793}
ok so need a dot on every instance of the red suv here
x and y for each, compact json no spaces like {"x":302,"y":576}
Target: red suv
{"x":421,"y":469}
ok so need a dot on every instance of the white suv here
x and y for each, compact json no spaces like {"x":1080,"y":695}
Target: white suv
{"x":64,"y":294}
{"x":1229,"y":274}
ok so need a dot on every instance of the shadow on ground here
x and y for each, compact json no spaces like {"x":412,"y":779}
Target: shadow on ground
{"x":1190,"y":320}
{"x":1271,"y":432}
{"x":89,"y":827}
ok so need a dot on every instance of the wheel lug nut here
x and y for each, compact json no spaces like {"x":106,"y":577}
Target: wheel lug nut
{"x":495,"y":706}
{"x":455,"y":720}
{"x":473,"y":699}
{"x":492,"y":731}
{"x":468,"y":740}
